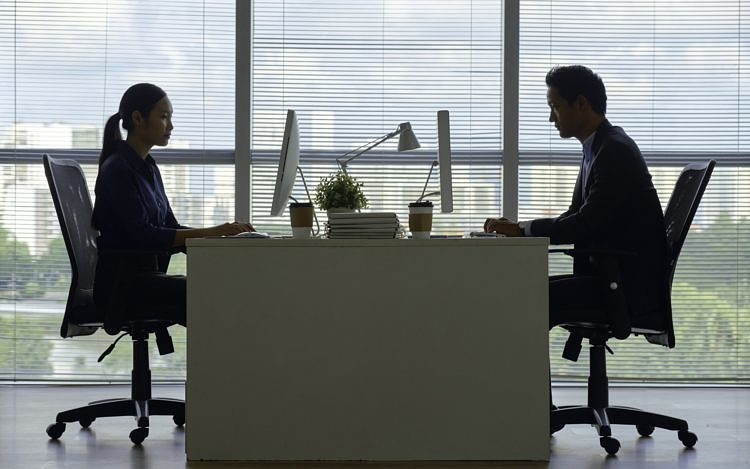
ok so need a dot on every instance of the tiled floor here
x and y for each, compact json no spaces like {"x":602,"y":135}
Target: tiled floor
{"x":719,"y":416}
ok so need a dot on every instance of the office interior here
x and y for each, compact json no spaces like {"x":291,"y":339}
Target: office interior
{"x":677,"y":80}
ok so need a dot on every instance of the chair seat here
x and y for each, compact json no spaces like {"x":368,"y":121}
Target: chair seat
{"x":595,"y":327}
{"x":644,"y":331}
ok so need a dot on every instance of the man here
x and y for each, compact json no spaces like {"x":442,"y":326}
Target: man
{"x":614,"y":206}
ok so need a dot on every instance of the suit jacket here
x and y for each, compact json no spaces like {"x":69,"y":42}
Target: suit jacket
{"x":617,"y":208}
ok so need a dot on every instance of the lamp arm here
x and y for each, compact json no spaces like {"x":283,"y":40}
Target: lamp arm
{"x":434,"y":163}
{"x":428,"y":194}
{"x":367,"y":147}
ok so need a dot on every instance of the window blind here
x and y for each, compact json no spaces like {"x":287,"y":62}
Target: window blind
{"x":677,"y":81}
{"x":353,"y":71}
{"x":677,"y":77}
{"x":64,"y":67}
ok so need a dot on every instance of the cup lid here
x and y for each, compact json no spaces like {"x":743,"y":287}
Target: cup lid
{"x":300,"y":204}
{"x":424,"y":203}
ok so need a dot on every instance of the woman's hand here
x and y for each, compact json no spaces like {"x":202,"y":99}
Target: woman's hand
{"x":229,"y":229}
{"x":226,"y":229}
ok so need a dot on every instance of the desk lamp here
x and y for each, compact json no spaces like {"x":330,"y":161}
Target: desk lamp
{"x":406,"y":141}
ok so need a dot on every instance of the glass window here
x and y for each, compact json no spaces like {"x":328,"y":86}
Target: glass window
{"x":353,"y":71}
{"x":64,"y":68}
{"x":677,"y":81}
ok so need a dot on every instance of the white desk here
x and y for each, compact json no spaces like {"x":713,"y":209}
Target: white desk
{"x":378,"y":350}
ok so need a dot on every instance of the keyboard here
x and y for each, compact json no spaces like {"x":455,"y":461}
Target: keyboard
{"x":251,"y":234}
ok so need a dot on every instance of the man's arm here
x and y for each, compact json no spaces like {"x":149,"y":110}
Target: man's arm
{"x":616,"y":175}
{"x":524,"y":228}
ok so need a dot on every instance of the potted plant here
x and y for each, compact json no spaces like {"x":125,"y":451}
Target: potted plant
{"x":340,"y":191}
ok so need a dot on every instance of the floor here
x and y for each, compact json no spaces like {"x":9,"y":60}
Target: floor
{"x":719,"y":416}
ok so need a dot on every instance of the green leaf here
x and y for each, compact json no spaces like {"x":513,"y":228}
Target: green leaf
{"x":340,"y":190}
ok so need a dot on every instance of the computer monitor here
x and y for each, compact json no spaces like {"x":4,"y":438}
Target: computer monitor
{"x":444,"y":161}
{"x":288,"y":162}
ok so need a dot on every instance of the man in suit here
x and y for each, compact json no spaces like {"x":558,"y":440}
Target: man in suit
{"x":614,"y":206}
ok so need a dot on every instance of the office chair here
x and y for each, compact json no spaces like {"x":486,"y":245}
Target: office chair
{"x":678,"y":216}
{"x":82,"y":316}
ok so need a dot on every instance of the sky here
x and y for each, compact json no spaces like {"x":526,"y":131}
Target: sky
{"x":674,"y":81}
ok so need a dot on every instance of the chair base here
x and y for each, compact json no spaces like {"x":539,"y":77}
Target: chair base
{"x":603,"y":417}
{"x":140,"y":409}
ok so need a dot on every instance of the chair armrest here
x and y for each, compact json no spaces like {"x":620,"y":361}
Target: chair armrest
{"x":129,"y":263}
{"x":130,"y":252}
{"x":606,"y":264}
{"x":133,"y":258}
{"x":179,"y":249}
{"x":592,"y":251}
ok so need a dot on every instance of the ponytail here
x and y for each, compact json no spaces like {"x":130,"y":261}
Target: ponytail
{"x":141,"y":97}
{"x":112,"y":135}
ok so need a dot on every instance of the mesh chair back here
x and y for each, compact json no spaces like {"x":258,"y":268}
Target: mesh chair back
{"x":678,"y":216}
{"x":682,"y":206}
{"x":72,"y":201}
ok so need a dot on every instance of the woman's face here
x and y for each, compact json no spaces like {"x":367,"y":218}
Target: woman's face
{"x":158,"y":128}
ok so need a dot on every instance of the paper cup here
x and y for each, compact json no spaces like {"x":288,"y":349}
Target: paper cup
{"x":301,"y":215}
{"x":420,"y":219}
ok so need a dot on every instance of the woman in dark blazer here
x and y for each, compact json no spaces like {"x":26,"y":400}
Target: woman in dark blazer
{"x":138,"y":230}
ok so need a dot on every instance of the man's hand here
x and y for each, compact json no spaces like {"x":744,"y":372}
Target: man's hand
{"x":502,"y":226}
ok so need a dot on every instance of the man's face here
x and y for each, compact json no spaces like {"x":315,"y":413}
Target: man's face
{"x":566,"y":117}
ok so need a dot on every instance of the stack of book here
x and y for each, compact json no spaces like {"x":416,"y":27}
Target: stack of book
{"x":355,"y":225}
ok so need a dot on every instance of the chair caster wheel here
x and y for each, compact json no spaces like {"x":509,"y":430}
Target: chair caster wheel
{"x":610,"y":445}
{"x":86,"y":423}
{"x":689,"y":439}
{"x":179,"y":419}
{"x":138,"y":435}
{"x":56,"y":430}
{"x":644,"y":430}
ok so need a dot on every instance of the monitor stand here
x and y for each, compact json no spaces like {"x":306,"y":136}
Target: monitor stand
{"x":309,"y":199}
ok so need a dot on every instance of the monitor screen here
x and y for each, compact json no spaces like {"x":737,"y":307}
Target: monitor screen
{"x":444,"y":161}
{"x":288,"y":162}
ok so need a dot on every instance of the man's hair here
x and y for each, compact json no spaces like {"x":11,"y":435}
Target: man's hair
{"x":574,"y":80}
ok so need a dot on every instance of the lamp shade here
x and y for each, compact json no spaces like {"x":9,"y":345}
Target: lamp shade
{"x":406,"y":138}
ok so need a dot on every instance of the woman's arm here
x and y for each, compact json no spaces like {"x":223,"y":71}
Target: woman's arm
{"x":225,"y":229}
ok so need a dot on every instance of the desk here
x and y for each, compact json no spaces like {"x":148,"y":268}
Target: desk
{"x":376,"y":350}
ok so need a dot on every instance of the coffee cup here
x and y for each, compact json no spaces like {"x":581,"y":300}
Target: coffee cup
{"x":301,"y":214}
{"x":420,"y":219}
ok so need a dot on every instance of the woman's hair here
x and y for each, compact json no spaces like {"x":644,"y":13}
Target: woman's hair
{"x":576,"y":80}
{"x":141,"y":97}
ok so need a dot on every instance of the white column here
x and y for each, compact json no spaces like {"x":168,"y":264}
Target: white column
{"x":511,"y":47}
{"x":242,"y":141}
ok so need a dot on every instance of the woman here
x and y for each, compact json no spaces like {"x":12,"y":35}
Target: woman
{"x":132,"y":212}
